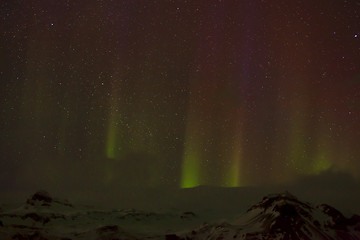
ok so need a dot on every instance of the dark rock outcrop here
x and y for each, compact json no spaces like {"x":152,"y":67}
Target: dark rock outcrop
{"x":40,"y":198}
{"x":107,"y":228}
{"x":29,"y":236}
{"x":36,"y":217}
{"x":172,"y":237}
{"x":43,"y":198}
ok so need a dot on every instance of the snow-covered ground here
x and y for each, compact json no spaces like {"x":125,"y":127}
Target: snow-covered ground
{"x":279,"y":216}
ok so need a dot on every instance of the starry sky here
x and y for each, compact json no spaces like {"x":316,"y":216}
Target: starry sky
{"x":177,"y":93}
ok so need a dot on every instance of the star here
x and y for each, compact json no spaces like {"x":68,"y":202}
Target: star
{"x":179,"y":85}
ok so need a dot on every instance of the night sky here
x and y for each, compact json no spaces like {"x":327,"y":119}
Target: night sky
{"x":177,"y":93}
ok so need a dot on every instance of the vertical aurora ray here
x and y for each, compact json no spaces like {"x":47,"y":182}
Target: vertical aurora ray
{"x":112,"y":128}
{"x":194,"y":140}
{"x":111,"y":138}
{"x":203,"y":92}
{"x":36,"y":89}
{"x":322,"y":159}
{"x":190,"y":170}
{"x":299,"y":128}
{"x":233,"y":176}
{"x":233,"y":172}
{"x":308,"y":155}
{"x":192,"y":155}
{"x":111,"y":146}
{"x":321,"y":162}
{"x":297,"y":151}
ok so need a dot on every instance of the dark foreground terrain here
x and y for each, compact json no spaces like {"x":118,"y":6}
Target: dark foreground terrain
{"x":280,"y":216}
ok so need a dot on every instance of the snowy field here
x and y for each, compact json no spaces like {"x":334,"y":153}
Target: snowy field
{"x":277,"y":216}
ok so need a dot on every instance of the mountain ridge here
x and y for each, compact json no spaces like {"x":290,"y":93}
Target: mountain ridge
{"x":277,"y":216}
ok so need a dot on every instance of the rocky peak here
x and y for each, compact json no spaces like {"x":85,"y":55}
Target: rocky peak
{"x":284,"y":202}
{"x":43,"y":198}
{"x":40,"y":198}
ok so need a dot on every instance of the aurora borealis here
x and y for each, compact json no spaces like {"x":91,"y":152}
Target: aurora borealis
{"x":179,"y":93}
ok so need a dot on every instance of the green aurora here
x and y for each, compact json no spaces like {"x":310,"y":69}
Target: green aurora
{"x":134,"y":93}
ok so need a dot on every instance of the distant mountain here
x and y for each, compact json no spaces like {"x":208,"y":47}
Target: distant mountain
{"x":284,"y":217}
{"x":281,"y":217}
{"x":42,"y":198}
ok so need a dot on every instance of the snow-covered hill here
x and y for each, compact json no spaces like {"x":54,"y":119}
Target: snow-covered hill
{"x":280,"y":216}
{"x":284,"y":217}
